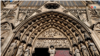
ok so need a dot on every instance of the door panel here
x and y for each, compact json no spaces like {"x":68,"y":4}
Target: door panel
{"x":62,"y":52}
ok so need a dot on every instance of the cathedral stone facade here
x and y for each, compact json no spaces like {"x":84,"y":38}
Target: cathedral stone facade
{"x":69,"y":26}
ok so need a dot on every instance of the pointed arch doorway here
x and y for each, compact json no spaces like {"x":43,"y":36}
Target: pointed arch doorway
{"x":44,"y":52}
{"x":48,"y":37}
{"x":77,"y":34}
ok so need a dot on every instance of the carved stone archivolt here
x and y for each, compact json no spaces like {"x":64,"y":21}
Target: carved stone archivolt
{"x":48,"y":28}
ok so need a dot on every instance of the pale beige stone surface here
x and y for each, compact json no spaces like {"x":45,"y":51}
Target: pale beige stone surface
{"x":38,"y":27}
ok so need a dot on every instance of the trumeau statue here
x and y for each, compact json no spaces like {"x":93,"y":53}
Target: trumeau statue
{"x":27,"y":52}
{"x":77,"y":52}
{"x":93,"y":48}
{"x":84,"y":50}
{"x":52,"y":50}
{"x":12,"y":49}
{"x":20,"y":51}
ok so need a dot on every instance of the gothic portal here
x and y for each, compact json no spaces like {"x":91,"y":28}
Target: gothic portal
{"x":53,"y":29}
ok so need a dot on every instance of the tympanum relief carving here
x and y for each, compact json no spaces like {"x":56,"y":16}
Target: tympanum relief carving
{"x":58,"y":43}
{"x":51,"y":33}
{"x":52,"y":37}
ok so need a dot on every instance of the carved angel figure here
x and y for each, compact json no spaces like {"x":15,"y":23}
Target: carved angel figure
{"x":20,"y":51}
{"x":93,"y":49}
{"x":84,"y":50}
{"x":27,"y":52}
{"x":77,"y":52}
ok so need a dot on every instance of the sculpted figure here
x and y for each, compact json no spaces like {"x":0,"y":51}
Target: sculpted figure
{"x":5,"y":26}
{"x":30,"y":41}
{"x":3,"y":14}
{"x":12,"y":49}
{"x":93,"y":48}
{"x":79,"y":39}
{"x":86,"y":35}
{"x":27,"y":52}
{"x":73,"y":41}
{"x":24,"y":39}
{"x":77,"y":52}
{"x":18,"y":36}
{"x":20,"y":16}
{"x":52,"y":50}
{"x":20,"y":51}
{"x":84,"y":50}
{"x":98,"y":25}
